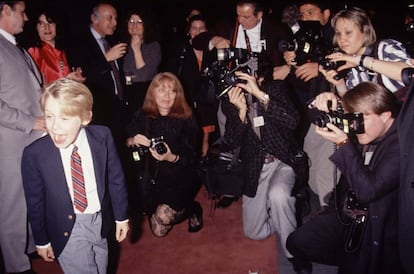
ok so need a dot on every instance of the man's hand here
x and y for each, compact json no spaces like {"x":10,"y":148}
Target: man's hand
{"x":307,"y":71}
{"x":40,"y":124}
{"x":121,"y":231}
{"x":46,"y":253}
{"x":281,"y":72}
{"x":116,"y":52}
{"x":220,"y":42}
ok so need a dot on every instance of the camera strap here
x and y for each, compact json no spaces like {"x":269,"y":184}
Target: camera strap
{"x":248,"y":45}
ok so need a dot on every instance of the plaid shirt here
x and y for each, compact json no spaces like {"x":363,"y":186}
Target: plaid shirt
{"x":277,"y":135}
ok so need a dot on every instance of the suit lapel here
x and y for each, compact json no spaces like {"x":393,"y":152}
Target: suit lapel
{"x":98,"y":156}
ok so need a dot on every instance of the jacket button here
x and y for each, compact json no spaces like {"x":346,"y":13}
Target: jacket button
{"x":70,"y":217}
{"x":375,"y":243}
{"x":65,"y":234}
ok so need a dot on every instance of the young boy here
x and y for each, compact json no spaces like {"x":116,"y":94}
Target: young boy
{"x":74,"y":183}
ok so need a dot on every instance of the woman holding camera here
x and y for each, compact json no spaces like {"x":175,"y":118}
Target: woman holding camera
{"x":167,"y":127}
{"x":358,"y":232}
{"x":366,"y":58}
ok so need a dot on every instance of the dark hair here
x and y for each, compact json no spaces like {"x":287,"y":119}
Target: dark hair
{"x":51,"y":17}
{"x":258,"y":5}
{"x":378,"y":97}
{"x":151,"y":32}
{"x":9,"y":3}
{"x":321,"y":4}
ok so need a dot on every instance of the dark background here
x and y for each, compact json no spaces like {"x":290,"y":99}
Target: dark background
{"x":169,"y":16}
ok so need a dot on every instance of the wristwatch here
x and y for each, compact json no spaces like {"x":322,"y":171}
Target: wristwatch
{"x":265,"y":98}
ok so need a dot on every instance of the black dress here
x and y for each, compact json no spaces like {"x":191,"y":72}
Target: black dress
{"x":174,"y":184}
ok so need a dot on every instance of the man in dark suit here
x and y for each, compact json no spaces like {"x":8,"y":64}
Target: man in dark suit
{"x":406,"y":192}
{"x":102,"y":69}
{"x":21,"y":123}
{"x":252,"y":29}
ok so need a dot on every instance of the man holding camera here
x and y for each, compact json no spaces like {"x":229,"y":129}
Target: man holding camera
{"x":358,"y":231}
{"x":306,"y":83}
{"x":251,"y":31}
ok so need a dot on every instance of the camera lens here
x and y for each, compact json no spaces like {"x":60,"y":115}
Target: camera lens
{"x":160,"y":148}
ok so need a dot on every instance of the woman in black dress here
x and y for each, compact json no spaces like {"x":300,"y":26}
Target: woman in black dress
{"x":166,"y":133}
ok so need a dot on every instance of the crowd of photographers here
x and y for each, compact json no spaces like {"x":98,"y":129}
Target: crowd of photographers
{"x":345,"y":86}
{"x":307,"y":103}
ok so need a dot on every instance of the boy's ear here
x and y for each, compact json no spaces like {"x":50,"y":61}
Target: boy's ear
{"x":87,"y":119}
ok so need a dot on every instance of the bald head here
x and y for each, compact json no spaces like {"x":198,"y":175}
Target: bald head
{"x":103,"y":19}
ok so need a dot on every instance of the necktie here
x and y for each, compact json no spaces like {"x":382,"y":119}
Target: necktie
{"x":246,"y":37}
{"x":79,"y":193}
{"x":115,"y":71}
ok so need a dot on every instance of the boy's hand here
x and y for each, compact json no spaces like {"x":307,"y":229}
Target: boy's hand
{"x":121,"y":231}
{"x":46,"y":253}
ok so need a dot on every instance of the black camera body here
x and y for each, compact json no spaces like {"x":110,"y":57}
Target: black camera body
{"x":350,"y":123}
{"x":158,"y":143}
{"x":331,"y":65}
{"x":307,"y":43}
{"x":222,"y":76}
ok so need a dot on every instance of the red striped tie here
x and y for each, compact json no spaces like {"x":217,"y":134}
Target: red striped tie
{"x":79,"y":194}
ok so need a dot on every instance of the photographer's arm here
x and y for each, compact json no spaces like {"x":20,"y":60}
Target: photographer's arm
{"x":236,"y":97}
{"x":391,"y":69}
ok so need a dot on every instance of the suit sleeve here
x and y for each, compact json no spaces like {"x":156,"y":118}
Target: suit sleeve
{"x":34,"y":190}
{"x":116,"y":181}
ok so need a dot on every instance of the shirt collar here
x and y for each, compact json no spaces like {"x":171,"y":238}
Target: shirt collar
{"x":8,"y":36}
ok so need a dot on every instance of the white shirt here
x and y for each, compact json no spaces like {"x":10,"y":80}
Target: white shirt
{"x":88,"y":172}
{"x":254,"y":38}
{"x":8,"y":36}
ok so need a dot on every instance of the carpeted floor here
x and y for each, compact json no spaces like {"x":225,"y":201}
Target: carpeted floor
{"x":219,"y":248}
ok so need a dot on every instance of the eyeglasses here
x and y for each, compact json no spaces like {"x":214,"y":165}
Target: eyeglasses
{"x":133,"y":22}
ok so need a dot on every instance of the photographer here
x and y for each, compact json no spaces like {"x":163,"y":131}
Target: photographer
{"x":358,"y":232}
{"x":169,"y":179}
{"x":306,"y":82}
{"x":366,"y":58}
{"x":262,"y":121}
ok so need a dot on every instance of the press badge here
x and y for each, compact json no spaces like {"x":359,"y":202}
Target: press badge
{"x":263,"y":44}
{"x":258,"y":121}
{"x":368,"y":156}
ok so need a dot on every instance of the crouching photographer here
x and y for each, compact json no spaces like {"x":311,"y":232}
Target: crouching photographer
{"x":261,"y":120}
{"x":358,"y":232}
{"x":164,"y":138}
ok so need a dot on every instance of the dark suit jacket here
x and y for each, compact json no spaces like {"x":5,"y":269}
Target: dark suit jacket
{"x":375,"y":186}
{"x":86,"y":53}
{"x":406,"y":197}
{"x":50,"y":208}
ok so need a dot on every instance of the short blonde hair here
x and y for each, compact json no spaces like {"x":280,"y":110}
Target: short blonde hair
{"x":361,"y":19}
{"x":75,"y":98}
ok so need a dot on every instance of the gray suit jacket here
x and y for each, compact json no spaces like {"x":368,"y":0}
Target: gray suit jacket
{"x":19,"y":105}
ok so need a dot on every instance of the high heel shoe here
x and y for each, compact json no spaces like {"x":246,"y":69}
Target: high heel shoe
{"x":195,"y":221}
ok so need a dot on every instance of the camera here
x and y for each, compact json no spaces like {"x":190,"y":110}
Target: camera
{"x":329,"y":65}
{"x":307,"y":43}
{"x":222,"y":76}
{"x":158,"y":144}
{"x":407,"y":75}
{"x":332,"y":65}
{"x":138,"y":152}
{"x":228,"y":54}
{"x":350,"y":123}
